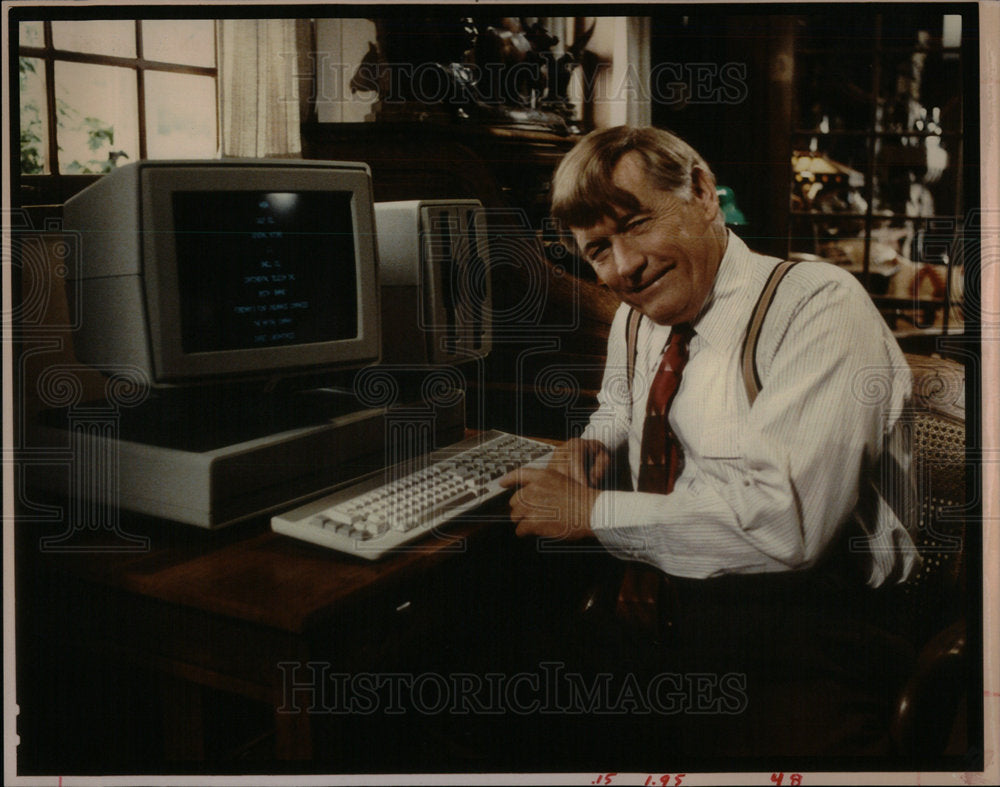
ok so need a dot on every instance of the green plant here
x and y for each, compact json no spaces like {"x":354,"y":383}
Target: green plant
{"x":32,"y":160}
{"x":99,"y":133}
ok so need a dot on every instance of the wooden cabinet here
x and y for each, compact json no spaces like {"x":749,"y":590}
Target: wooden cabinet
{"x":880,"y":159}
{"x":849,"y":134}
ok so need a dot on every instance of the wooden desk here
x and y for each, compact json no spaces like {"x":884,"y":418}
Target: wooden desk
{"x":223,"y":610}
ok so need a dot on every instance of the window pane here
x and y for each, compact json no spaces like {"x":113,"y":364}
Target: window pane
{"x":918,"y":176}
{"x":30,"y":34}
{"x":104,"y":37}
{"x":191,"y":42}
{"x":97,"y":117}
{"x":180,"y":116}
{"x":921,"y":91}
{"x":34,"y":129}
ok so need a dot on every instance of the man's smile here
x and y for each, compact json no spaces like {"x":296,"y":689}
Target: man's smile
{"x":651,"y":281}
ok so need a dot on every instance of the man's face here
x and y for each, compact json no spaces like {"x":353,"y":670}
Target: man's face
{"x":663,"y":258}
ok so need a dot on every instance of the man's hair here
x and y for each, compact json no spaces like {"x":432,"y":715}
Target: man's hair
{"x":582,"y":189}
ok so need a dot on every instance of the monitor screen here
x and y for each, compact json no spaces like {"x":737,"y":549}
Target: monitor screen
{"x":261,"y":269}
{"x":215,"y":271}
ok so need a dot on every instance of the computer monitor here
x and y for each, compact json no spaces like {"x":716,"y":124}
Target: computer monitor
{"x":435,"y":280}
{"x":216,"y":271}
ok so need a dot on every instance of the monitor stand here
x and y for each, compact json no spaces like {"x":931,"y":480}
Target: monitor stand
{"x":214,"y":461}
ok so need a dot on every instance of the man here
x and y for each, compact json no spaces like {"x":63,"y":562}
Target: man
{"x":764,"y":521}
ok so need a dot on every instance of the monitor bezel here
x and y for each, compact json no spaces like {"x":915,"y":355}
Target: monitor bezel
{"x":171,"y":364}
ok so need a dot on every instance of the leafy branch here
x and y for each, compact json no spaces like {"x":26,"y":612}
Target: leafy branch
{"x":32,"y":162}
{"x":99,"y":134}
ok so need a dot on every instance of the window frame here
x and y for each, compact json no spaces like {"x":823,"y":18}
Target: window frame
{"x":55,"y":186}
{"x":874,"y":135}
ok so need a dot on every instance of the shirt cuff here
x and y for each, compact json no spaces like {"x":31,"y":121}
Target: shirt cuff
{"x":618,"y":532}
{"x":606,"y":434}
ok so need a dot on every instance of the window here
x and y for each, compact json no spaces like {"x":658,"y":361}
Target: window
{"x":96,"y":94}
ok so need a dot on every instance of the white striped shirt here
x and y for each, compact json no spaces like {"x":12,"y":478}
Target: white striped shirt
{"x":766,"y":488}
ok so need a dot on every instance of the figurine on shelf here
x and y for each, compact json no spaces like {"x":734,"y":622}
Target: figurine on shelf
{"x":912,"y":156}
{"x":502,"y":72}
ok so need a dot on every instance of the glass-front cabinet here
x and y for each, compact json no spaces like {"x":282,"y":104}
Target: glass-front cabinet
{"x":877,"y":153}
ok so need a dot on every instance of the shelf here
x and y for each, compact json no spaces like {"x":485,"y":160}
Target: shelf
{"x":863,"y":134}
{"x":875,"y":216}
{"x":878,"y":49}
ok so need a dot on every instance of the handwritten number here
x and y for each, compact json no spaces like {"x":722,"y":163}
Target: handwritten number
{"x":777,"y":778}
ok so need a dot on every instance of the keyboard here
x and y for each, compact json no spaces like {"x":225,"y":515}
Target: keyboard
{"x":406,"y":502}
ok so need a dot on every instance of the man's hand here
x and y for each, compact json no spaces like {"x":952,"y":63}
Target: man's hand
{"x":585,"y":461}
{"x":550,"y":503}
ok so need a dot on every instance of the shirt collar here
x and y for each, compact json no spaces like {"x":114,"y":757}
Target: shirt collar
{"x":734,"y":292}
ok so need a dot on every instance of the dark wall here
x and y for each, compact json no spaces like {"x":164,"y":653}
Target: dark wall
{"x":724,"y":83}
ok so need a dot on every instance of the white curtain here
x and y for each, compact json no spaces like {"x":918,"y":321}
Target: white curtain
{"x":638,"y":36}
{"x":258,"y":95}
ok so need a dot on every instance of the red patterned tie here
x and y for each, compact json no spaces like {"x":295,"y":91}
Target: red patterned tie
{"x":661,"y":456}
{"x":640,"y":597}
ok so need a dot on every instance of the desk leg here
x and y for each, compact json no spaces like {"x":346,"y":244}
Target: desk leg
{"x":183,"y":719}
{"x":293,"y":735}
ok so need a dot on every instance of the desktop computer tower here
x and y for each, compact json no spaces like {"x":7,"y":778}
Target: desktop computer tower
{"x":436,"y":298}
{"x":211,"y":470}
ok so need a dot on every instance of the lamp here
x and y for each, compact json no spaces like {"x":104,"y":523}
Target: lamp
{"x":727,"y":202}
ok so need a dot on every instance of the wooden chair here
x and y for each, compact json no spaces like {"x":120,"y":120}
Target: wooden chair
{"x":932,"y":604}
{"x":929,"y":609}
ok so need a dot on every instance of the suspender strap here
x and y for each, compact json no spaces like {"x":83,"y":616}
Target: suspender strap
{"x":631,"y":345}
{"x":748,"y":364}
